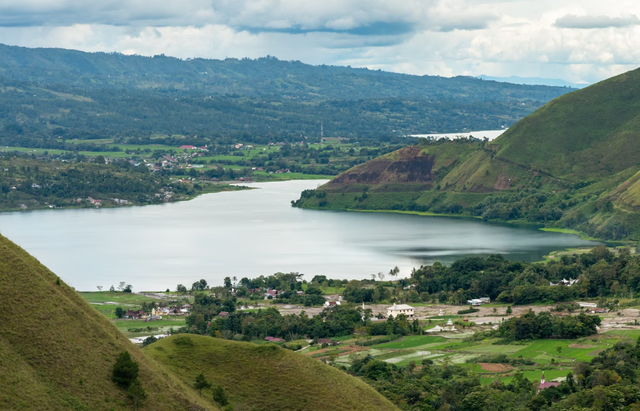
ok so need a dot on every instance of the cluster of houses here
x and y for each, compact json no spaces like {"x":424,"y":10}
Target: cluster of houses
{"x":476,"y":302}
{"x":157,"y":313}
{"x":270,"y":293}
{"x":564,"y":282}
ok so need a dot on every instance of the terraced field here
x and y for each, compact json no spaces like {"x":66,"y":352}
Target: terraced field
{"x":555,"y":357}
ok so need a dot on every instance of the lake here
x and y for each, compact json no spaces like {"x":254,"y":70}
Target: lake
{"x":252,"y":233}
{"x":488,"y":134}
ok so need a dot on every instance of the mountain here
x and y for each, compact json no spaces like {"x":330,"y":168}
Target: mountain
{"x":57,"y":352}
{"x":571,"y":164}
{"x":102,"y":95}
{"x":534,"y":81}
{"x":265,"y":377}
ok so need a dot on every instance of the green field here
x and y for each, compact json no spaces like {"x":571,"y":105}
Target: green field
{"x":163,"y":326}
{"x":411,"y":342}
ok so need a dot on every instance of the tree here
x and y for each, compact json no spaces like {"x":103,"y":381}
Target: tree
{"x":220,"y":396}
{"x":509,"y":310}
{"x":136,"y":392}
{"x":394,"y":271}
{"x":121,"y":286}
{"x":128,"y":288}
{"x":99,"y":288}
{"x":120,"y":312}
{"x":181,"y":289}
{"x":125,"y":370}
{"x":112,"y":289}
{"x":149,"y":340}
{"x":559,"y":349}
{"x":201,"y":384}
{"x":227,"y":282}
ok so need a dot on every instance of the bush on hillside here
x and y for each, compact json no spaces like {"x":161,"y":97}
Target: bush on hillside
{"x":125,"y":370}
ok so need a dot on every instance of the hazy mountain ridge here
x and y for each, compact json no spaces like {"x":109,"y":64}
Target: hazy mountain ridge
{"x":102,"y":95}
{"x":571,"y":164}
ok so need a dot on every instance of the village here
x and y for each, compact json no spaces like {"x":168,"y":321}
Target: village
{"x":445,"y":333}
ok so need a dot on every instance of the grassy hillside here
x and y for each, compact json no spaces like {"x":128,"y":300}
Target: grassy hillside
{"x":265,"y":377}
{"x":571,"y":164}
{"x":57,"y":352}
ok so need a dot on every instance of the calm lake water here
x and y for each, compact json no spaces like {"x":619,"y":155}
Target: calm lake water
{"x":252,"y":233}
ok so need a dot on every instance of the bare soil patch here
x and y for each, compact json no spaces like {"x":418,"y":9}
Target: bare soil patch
{"x":581,"y":346}
{"x":495,"y":367}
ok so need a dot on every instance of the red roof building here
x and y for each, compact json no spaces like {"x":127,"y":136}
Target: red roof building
{"x":189,"y":147}
{"x":544,"y":384}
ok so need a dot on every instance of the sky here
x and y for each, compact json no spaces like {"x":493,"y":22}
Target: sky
{"x":581,"y":41}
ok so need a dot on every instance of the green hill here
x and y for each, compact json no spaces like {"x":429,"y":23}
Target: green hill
{"x":571,"y":164}
{"x":57,"y":352}
{"x":265,"y":377}
{"x":46,"y":92}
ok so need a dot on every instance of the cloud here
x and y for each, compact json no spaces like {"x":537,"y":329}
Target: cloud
{"x":571,"y":21}
{"x":526,"y":38}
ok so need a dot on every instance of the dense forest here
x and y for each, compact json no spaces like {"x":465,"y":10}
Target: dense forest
{"x":48,"y":94}
{"x":600,"y":273}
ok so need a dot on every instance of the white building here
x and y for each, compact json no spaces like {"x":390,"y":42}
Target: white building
{"x":398,"y":309}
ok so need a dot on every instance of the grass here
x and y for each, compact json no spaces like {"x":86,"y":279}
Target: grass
{"x":265,"y":377}
{"x":163,"y":325}
{"x":57,"y":352}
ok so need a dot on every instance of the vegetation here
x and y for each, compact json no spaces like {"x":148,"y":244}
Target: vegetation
{"x":265,"y":377}
{"x":69,"y":358}
{"x":51,"y":181}
{"x":100,"y":95}
{"x":589,"y":181}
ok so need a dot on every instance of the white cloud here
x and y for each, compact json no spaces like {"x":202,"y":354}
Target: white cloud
{"x":571,"y":21}
{"x":527,"y":38}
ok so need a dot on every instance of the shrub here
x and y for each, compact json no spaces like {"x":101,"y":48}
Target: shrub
{"x":125,"y":370}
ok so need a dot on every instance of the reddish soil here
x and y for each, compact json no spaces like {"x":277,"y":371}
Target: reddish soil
{"x":495,"y":367}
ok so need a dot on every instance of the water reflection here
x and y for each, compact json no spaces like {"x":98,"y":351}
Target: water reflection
{"x":252,"y":233}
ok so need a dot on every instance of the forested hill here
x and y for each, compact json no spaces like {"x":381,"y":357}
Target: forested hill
{"x":104,"y":95}
{"x":266,"y":76}
{"x":571,"y":164}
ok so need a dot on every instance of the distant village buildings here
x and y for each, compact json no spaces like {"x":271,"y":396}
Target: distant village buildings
{"x":397,"y":309}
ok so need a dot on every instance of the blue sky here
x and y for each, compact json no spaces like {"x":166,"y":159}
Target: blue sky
{"x":579,"y":41}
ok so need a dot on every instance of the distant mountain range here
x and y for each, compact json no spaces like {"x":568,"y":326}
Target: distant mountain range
{"x":113,"y":94}
{"x":533,"y":81}
{"x":571,"y":164}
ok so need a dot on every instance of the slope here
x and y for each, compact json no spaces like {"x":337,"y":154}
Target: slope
{"x":57,"y":352}
{"x":265,"y":377}
{"x":571,"y":164}
{"x":586,"y":134}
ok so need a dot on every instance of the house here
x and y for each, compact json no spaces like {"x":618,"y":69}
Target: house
{"x":476,"y":302}
{"x":134,"y":315}
{"x":331,"y":303}
{"x":329,"y":342}
{"x":398,"y":309}
{"x":273,"y":339}
{"x":272,"y":294}
{"x":189,"y":147}
{"x":223,"y":314}
{"x":543,"y":385}
{"x":300,"y":292}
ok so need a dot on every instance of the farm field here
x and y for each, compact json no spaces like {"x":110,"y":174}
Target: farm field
{"x":555,"y":357}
